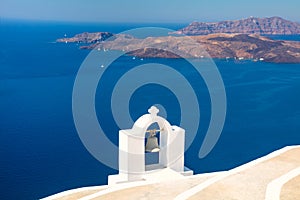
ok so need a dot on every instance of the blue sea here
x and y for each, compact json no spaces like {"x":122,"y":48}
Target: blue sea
{"x":40,"y":151}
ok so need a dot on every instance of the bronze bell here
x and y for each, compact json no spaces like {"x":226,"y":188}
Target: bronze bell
{"x":152,"y":142}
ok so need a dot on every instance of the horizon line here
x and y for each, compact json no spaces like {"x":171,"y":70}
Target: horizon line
{"x":2,"y":19}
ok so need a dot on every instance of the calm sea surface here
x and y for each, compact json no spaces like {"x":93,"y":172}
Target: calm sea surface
{"x":40,"y":151}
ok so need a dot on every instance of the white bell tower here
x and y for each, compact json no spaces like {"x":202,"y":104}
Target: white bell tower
{"x":132,"y":149}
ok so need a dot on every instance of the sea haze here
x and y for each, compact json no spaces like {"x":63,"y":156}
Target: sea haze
{"x":41,"y":153}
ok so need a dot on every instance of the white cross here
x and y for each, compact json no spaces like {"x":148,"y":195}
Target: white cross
{"x":153,"y":110}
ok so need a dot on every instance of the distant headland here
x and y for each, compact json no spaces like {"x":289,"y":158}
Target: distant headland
{"x":242,"y":39}
{"x":252,"y":25}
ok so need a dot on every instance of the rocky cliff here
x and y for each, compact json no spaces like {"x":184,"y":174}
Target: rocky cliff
{"x":87,"y":37}
{"x":252,"y":25}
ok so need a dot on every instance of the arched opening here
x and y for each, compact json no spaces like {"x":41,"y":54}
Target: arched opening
{"x":152,"y":146}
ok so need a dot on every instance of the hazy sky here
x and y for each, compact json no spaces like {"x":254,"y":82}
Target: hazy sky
{"x":147,"y":11}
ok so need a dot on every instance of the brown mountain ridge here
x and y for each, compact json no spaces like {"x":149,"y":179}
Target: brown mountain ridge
{"x":252,"y":25}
